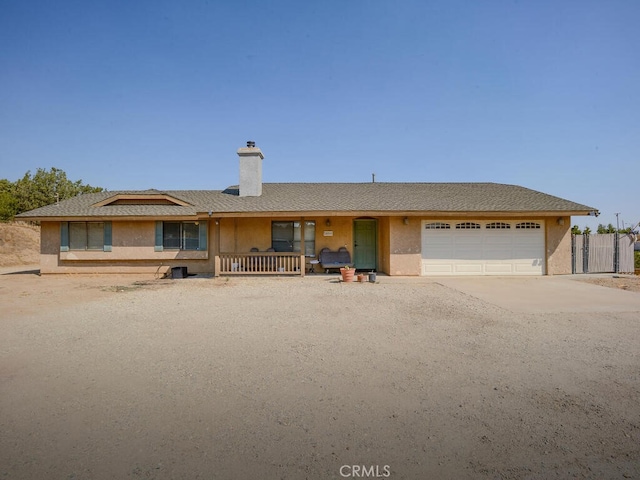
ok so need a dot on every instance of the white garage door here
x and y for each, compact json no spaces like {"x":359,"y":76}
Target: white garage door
{"x":482,"y":247}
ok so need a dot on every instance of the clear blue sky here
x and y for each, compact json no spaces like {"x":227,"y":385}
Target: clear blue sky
{"x":160,"y":94}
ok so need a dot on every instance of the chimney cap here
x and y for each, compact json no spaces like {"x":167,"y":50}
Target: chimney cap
{"x":250,"y":150}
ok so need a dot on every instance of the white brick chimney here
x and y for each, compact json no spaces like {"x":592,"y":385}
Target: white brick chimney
{"x":250,"y":170}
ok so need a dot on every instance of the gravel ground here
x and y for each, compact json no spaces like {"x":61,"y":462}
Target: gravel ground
{"x":307,"y":378}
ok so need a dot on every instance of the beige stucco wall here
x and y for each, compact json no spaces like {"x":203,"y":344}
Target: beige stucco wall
{"x":558,"y":246}
{"x":132,"y":252}
{"x":340,"y":233}
{"x":49,"y":246}
{"x":243,"y":234}
{"x":404,"y":246}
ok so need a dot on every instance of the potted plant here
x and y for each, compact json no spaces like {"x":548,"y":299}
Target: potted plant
{"x":347,"y":273}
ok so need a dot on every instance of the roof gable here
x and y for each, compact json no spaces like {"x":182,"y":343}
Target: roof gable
{"x":131,"y":198}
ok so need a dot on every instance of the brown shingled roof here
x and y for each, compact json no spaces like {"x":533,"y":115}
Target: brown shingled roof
{"x":326,"y":197}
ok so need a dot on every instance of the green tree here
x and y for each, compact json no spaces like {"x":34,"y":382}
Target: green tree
{"x":611,"y":229}
{"x":575,"y":230}
{"x":586,"y":231}
{"x":8,"y":206}
{"x":43,"y":188}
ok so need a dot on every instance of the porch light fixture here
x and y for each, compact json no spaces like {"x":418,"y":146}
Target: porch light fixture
{"x":560,"y":221}
{"x":406,"y":220}
{"x":328,"y":223}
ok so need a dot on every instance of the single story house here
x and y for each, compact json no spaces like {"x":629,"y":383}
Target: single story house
{"x":280,"y":228}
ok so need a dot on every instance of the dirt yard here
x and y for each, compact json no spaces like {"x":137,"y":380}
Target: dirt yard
{"x":286,"y":378}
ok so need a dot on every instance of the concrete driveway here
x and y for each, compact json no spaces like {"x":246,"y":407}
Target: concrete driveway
{"x":559,"y":294}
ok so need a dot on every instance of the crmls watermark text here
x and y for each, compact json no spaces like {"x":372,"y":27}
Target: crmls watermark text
{"x":365,"y":471}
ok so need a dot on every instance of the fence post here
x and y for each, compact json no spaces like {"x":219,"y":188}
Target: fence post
{"x":616,"y":253}
{"x":573,"y":254}
{"x":585,"y":257}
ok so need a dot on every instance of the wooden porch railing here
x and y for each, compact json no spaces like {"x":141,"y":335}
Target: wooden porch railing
{"x":262,"y":263}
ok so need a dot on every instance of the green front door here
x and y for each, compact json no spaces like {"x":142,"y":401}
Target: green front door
{"x":365,"y":234}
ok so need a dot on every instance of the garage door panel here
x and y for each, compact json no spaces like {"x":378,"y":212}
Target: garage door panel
{"x":497,"y":250}
{"x":466,"y":252}
{"x":467,"y":238}
{"x":443,"y":252}
{"x":499,"y":240}
{"x":527,"y":251}
{"x":497,"y":255}
{"x":439,"y":243}
{"x":437,"y":268}
{"x":526,"y":236}
{"x":531,"y":267}
{"x":498,"y":269}
{"x":501,"y":249}
{"x":464,"y":268}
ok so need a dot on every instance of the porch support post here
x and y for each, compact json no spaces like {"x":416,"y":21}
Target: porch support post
{"x":303,"y":260}
{"x":216,"y":265}
{"x":216,"y":249}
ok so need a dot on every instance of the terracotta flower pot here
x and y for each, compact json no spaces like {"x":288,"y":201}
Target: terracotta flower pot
{"x":347,"y":274}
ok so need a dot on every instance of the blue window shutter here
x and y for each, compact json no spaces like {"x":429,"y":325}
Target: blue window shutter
{"x":64,"y":236}
{"x":107,"y":237}
{"x":204,"y":227}
{"x":158,"y":246}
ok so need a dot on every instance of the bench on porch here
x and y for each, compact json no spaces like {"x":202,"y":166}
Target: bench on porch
{"x":334,"y":259}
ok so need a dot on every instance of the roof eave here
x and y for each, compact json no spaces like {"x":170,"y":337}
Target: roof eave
{"x":96,"y":218}
{"x":395,"y":213}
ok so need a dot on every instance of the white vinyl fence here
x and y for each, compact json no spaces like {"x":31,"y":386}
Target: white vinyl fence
{"x":599,"y":253}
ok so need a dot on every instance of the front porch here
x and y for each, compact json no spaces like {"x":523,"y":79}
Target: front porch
{"x":290,"y":246}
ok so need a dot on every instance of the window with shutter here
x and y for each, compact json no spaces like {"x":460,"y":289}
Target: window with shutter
{"x":181,"y":236}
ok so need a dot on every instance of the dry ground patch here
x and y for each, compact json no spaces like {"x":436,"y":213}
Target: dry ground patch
{"x":622,"y":282}
{"x":122,"y":377}
{"x":19,"y":244}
